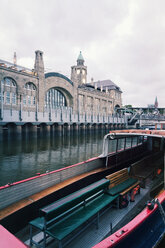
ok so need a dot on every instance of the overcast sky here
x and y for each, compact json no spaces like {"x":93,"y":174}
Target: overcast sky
{"x":121,"y":40}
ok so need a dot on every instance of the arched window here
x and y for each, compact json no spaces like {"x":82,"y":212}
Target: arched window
{"x":117,"y":106}
{"x":55,"y":98}
{"x":9,"y":91}
{"x":30,"y":94}
{"x":30,"y":86}
{"x":9,"y":82}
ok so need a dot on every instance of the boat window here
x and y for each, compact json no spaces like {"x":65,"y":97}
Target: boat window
{"x":128,"y":142}
{"x":139,"y":140}
{"x":112,"y":146}
{"x":120,"y":144}
{"x":134,"y":141}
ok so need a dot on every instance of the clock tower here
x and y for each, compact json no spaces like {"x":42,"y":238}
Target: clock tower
{"x":79,"y":72}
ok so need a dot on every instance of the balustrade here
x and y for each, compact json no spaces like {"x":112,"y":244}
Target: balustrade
{"x":58,"y":116}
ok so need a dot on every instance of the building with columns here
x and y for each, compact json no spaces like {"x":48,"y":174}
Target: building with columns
{"x":36,"y":91}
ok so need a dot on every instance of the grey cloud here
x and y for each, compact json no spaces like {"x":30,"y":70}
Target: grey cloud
{"x":121,"y":40}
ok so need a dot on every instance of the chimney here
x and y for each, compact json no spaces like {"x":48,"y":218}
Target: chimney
{"x":15,"y":59}
{"x":39,"y":64}
{"x":92,"y":81}
{"x":106,"y":89}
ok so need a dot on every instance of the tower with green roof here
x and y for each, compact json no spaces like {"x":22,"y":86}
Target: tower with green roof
{"x":79,"y":71}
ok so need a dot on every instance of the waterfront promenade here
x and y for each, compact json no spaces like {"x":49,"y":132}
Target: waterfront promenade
{"x":13,"y":121}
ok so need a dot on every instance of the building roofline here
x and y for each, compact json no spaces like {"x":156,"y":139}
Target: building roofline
{"x":56,"y":74}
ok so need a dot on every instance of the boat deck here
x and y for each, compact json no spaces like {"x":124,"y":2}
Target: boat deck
{"x":92,"y":235}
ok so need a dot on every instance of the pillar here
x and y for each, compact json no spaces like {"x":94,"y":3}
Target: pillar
{"x":33,"y":130}
{"x":68,"y":128}
{"x":106,"y":126}
{"x":76,"y":127}
{"x":59,"y":129}
{"x":1,"y":132}
{"x":52,"y":129}
{"x":89,"y":127}
{"x":47,"y":129}
{"x":18,"y":130}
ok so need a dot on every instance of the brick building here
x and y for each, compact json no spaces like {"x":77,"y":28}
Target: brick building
{"x":34,"y":90}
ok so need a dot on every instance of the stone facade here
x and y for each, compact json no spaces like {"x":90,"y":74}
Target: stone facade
{"x":33,"y":90}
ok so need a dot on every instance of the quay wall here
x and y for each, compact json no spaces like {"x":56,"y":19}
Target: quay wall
{"x":18,"y":122}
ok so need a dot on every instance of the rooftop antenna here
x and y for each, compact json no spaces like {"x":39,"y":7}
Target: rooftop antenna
{"x":15,"y":59}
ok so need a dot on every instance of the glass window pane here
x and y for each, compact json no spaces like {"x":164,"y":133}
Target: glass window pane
{"x":7,"y":81}
{"x":7,"y":97}
{"x":13,"y":98}
{"x":128,"y":142}
{"x":34,"y":100}
{"x":55,"y":98}
{"x":29,"y":100}
{"x":24,"y":100}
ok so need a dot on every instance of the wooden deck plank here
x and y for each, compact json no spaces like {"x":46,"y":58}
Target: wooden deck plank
{"x":130,"y":188}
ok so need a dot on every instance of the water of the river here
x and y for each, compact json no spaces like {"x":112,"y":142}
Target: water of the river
{"x":21,"y":158}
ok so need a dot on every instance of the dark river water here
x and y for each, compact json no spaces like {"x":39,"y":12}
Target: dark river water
{"x":23,"y":157}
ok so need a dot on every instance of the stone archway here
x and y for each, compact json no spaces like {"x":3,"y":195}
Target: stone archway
{"x":55,"y":98}
{"x":62,"y":85}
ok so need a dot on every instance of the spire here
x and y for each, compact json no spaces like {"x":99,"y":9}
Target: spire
{"x":156,"y":102}
{"x":80,"y":59}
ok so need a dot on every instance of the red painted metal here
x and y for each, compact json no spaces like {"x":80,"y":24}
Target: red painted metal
{"x":138,"y":131}
{"x":8,"y":240}
{"x":116,"y":237}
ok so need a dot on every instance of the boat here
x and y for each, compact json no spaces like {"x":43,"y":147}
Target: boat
{"x":147,"y":229}
{"x":134,"y":149}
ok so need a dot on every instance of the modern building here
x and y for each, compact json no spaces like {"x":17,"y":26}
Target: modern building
{"x":33,"y":90}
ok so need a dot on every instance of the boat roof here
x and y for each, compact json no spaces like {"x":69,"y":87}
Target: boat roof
{"x":137,"y":132}
{"x":117,"y":134}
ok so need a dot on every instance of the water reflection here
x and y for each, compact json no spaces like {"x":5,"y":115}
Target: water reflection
{"x":21,"y":158}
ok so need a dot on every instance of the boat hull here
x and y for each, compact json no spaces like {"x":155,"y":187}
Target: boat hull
{"x":92,"y":170}
{"x":145,"y":230}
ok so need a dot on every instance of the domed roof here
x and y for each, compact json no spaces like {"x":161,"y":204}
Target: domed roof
{"x":80,"y":57}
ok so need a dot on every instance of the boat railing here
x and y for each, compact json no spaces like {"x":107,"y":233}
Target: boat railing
{"x":113,"y":143}
{"x":160,"y":209}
